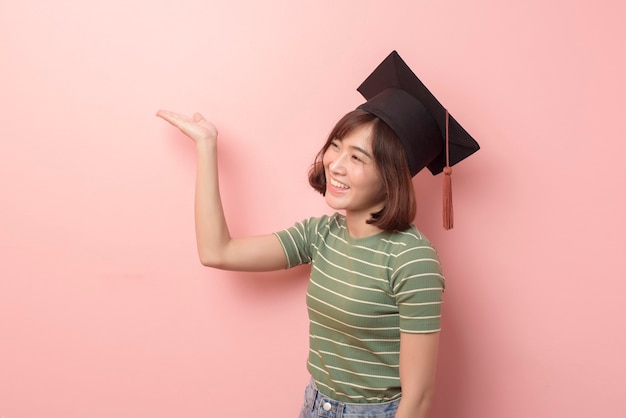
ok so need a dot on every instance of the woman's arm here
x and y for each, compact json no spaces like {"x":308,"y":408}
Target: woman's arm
{"x":216,"y":248}
{"x":418,"y":365}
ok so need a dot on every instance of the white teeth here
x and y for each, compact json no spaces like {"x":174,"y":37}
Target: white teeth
{"x":335,"y":183}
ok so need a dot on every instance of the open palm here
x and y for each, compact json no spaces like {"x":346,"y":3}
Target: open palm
{"x":195,"y":127}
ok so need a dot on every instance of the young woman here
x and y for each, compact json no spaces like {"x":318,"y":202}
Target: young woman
{"x":375,"y":291}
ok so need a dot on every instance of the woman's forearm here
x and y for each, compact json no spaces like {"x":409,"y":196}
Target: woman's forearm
{"x":212,"y":235}
{"x":414,"y":408}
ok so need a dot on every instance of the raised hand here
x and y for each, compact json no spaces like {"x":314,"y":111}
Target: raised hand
{"x":195,"y":127}
{"x":216,"y":247}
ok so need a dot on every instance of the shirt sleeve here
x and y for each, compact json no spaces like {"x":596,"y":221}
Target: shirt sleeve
{"x":296,"y":242}
{"x":418,"y":285}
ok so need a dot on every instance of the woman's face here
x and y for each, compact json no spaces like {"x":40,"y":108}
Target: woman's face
{"x":353,"y":182}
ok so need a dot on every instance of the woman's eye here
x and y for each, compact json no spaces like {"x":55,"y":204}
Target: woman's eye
{"x":357,"y":159}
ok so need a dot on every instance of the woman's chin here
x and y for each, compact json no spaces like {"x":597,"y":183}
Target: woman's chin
{"x":332,"y":202}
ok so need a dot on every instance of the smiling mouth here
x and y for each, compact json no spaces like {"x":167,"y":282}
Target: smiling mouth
{"x":338,"y":185}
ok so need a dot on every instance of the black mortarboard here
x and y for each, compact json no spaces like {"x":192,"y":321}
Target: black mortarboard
{"x":400,"y":99}
{"x":430,"y":136}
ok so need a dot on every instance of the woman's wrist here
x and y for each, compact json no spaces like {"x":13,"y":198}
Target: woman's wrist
{"x":206,"y":144}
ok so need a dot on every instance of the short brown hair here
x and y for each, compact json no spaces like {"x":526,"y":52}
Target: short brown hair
{"x":390,"y":158}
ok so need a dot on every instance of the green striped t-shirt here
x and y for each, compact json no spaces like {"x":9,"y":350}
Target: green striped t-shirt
{"x":362,"y":293}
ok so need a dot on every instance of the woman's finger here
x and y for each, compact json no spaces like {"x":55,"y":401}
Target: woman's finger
{"x":197,"y":117}
{"x":172,"y":117}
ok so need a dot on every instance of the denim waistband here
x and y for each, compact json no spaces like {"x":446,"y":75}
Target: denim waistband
{"x":320,"y":405}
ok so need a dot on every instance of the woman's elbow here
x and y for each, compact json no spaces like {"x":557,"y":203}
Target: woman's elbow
{"x":210,"y":259}
{"x":417,"y":404}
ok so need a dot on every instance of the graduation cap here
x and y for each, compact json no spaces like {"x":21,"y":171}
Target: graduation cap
{"x":430,"y":136}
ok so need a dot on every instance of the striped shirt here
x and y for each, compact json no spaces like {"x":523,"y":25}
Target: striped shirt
{"x":362,"y":293}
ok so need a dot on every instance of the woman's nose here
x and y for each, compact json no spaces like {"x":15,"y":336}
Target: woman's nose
{"x":337,"y":165}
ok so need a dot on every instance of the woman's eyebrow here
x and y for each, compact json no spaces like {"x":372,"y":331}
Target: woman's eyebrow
{"x":356,"y":147}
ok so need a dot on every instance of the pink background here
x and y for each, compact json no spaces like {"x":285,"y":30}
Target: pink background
{"x":105,"y":310}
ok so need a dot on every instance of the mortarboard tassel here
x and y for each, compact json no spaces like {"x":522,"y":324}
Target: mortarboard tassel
{"x":448,"y":213}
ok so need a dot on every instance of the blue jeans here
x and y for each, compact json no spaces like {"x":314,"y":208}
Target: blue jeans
{"x":317,"y":405}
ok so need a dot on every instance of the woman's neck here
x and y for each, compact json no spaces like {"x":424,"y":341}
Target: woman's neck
{"x":359,"y":228}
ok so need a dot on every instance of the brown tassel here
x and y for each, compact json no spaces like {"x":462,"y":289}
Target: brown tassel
{"x":448,"y":213}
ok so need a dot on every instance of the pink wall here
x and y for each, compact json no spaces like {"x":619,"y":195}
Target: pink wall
{"x":104,"y":308}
